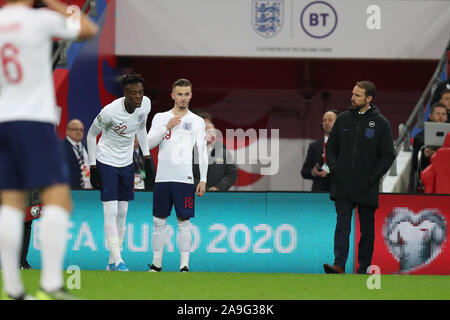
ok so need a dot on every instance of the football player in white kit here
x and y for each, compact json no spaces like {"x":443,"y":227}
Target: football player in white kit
{"x":177,"y":132}
{"x":31,"y":155}
{"x":111,"y":160}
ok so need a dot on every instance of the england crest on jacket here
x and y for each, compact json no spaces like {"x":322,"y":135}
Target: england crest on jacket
{"x":267,"y":17}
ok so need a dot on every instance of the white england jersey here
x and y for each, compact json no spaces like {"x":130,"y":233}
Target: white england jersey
{"x":26,"y":81}
{"x":119,"y":128}
{"x":175,"y":155}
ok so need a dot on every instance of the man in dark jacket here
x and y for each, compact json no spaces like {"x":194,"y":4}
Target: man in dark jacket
{"x":314,"y":167}
{"x":76,"y":155}
{"x":222,"y":171}
{"x":359,"y":151}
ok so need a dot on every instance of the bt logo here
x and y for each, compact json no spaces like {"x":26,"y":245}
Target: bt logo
{"x":318,"y":19}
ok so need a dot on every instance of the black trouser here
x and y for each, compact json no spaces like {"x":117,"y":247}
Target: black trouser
{"x":344,"y":210}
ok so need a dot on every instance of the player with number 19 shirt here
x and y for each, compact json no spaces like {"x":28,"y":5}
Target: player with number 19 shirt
{"x":175,"y":147}
{"x":177,"y":132}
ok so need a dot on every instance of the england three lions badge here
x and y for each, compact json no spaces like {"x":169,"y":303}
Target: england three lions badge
{"x":267,"y":17}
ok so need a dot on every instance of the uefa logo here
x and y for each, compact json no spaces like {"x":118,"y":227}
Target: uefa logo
{"x":318,"y":19}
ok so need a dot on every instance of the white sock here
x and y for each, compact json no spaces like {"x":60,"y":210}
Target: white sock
{"x":114,"y":251}
{"x":184,"y":241}
{"x":110,"y":212}
{"x":158,"y":240}
{"x":53,"y":237}
{"x":122,"y":220}
{"x":11,"y":233}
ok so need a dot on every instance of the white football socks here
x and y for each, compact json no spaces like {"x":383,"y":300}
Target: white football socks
{"x":110,"y":211}
{"x":158,"y":240}
{"x":11,"y":233}
{"x":122,"y":220}
{"x":184,"y":241}
{"x":53,"y":238}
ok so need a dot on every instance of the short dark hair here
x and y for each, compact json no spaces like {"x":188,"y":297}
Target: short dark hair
{"x":131,"y":78}
{"x":437,"y":105}
{"x":182,"y":83}
{"x":368,"y":86}
{"x":335,"y":111}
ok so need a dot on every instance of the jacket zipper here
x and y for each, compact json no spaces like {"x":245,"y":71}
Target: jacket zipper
{"x":354,"y":153}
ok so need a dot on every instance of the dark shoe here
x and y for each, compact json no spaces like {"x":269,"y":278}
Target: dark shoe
{"x":334,"y":269}
{"x":154,"y":269}
{"x":184,"y":269}
{"x":5,"y":296}
{"x":26,"y":266}
{"x":362,"y":271}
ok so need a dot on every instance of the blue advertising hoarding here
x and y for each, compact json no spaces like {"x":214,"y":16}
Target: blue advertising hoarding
{"x":232,"y":232}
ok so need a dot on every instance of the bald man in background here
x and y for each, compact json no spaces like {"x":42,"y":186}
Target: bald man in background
{"x":77,"y":156}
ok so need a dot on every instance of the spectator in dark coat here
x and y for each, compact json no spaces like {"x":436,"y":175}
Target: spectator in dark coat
{"x":222,"y":171}
{"x":76,"y":155}
{"x":315,"y":167}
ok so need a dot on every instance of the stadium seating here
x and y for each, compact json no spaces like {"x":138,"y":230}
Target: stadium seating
{"x":436,"y":177}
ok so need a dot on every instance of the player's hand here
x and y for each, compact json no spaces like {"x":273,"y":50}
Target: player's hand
{"x":201,"y":188}
{"x":77,"y":19}
{"x":95,"y":178}
{"x":213,"y":188}
{"x":173,"y":122}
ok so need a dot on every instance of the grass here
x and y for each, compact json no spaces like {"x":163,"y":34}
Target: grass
{"x":103,"y":285}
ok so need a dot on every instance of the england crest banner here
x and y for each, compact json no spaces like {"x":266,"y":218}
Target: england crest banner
{"x":267,"y":17}
{"x":385,"y":29}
